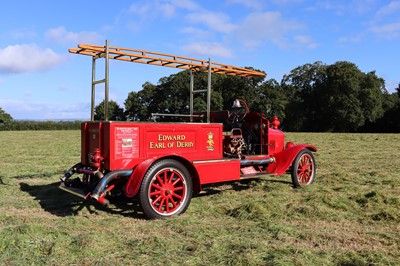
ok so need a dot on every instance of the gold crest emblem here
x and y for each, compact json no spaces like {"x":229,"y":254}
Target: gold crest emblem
{"x":210,"y":141}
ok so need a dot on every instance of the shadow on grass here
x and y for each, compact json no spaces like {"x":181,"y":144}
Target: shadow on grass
{"x":60,"y":203}
{"x":241,"y":185}
{"x":41,"y":175}
{"x":57,"y":202}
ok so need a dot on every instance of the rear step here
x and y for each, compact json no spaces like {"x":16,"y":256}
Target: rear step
{"x":74,"y":191}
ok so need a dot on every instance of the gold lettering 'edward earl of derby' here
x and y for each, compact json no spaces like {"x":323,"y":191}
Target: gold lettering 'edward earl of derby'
{"x":171,"y":141}
{"x":162,"y":137}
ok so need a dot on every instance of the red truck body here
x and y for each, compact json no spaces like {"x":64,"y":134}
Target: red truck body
{"x":164,"y":163}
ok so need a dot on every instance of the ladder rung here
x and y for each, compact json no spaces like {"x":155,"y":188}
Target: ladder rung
{"x":200,"y":91}
{"x":99,"y":81}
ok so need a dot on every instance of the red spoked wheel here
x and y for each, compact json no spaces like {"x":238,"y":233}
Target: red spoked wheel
{"x":166,"y":190}
{"x":303,"y":169}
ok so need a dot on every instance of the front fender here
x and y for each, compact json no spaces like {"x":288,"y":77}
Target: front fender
{"x":135,"y":180}
{"x":285,"y":158}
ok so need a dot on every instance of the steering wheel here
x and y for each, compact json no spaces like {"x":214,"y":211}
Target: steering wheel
{"x":238,"y":112}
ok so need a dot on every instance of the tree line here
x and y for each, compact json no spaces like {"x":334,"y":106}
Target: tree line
{"x":40,"y":125}
{"x":314,"y":97}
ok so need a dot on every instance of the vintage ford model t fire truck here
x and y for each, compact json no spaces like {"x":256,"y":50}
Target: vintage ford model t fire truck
{"x":163,"y":164}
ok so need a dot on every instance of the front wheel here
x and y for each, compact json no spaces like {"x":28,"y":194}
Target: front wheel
{"x":166,"y":189}
{"x":303,"y":168}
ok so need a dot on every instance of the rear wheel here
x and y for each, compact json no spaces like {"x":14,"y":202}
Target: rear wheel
{"x":166,"y":189}
{"x":303,"y":168}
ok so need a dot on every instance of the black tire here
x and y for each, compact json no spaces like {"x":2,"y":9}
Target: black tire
{"x":303,"y":169}
{"x":166,"y":190}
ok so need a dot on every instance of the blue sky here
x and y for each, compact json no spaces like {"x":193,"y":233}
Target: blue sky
{"x":39,"y":79}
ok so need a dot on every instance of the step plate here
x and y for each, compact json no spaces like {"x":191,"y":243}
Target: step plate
{"x":75,"y":191}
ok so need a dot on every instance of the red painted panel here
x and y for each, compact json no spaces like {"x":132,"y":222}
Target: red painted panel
{"x":125,"y":144}
{"x":276,"y":141}
{"x":215,"y":171}
{"x":90,"y":139}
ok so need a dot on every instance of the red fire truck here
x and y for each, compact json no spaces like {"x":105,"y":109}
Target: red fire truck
{"x":163,"y":164}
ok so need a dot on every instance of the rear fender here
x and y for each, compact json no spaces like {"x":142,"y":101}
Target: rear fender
{"x":135,"y":180}
{"x":285,"y":158}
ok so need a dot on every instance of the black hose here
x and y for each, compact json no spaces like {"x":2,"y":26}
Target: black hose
{"x":71,"y":171}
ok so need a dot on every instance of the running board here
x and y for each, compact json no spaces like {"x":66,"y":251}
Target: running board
{"x":250,"y":176}
{"x":74,"y":191}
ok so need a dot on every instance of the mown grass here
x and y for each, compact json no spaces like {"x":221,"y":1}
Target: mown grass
{"x":349,"y":216}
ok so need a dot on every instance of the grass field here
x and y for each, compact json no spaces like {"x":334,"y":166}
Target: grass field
{"x":349,"y":216}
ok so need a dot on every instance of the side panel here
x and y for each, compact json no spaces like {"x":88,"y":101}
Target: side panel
{"x":192,"y":141}
{"x":215,"y":171}
{"x":123,"y":145}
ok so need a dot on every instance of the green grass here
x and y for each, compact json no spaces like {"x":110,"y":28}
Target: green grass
{"x":349,"y":216}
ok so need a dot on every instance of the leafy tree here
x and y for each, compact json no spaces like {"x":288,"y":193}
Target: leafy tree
{"x":233,"y":87}
{"x":337,"y":97}
{"x":171,"y":96}
{"x":302,"y":87}
{"x":139,"y":105}
{"x":115,"y":112}
{"x":371,"y":95}
{"x":390,"y":121}
{"x":271,"y":100}
{"x":353,"y":97}
{"x":5,"y":117}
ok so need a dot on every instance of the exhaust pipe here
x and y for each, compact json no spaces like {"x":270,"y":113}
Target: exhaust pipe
{"x":98,"y":193}
{"x":256,"y":162}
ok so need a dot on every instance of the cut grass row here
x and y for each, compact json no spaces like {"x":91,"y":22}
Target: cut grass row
{"x":349,"y":216}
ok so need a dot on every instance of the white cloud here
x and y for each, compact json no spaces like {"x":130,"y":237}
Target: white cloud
{"x":185,"y":4}
{"x":21,"y":109}
{"x":268,"y":26}
{"x":255,"y":4}
{"x":215,"y":21}
{"x":167,"y":9}
{"x":22,"y":58}
{"x":155,"y":9}
{"x":356,"y":38}
{"x":305,"y":41}
{"x":61,"y":35}
{"x":140,"y":9}
{"x":149,"y":6}
{"x":342,"y":8}
{"x":389,"y":9}
{"x":389,"y":31}
{"x":286,"y":2}
{"x":197,"y":33}
{"x":208,"y":49}
{"x":22,"y":34}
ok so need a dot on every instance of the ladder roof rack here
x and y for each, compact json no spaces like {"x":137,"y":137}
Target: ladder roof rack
{"x":162,"y":59}
{"x":159,"y":59}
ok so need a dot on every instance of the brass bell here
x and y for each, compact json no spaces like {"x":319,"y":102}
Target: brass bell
{"x":236,"y":104}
